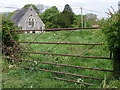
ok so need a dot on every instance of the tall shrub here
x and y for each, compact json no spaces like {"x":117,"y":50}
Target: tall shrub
{"x":7,"y":36}
{"x":111,"y":29}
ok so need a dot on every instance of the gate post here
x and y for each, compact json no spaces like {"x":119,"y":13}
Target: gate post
{"x":116,"y":63}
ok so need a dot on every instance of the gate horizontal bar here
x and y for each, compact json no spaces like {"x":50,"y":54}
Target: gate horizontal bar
{"x":61,"y":73}
{"x":61,"y":43}
{"x":57,"y":29}
{"x":64,"y":55}
{"x":65,"y":65}
{"x":72,"y":81}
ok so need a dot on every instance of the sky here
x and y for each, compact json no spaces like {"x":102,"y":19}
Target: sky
{"x":99,"y":7}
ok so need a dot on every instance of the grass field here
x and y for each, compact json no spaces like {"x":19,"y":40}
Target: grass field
{"x":15,"y":77}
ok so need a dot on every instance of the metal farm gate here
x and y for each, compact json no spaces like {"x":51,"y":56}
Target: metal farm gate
{"x":68,"y":55}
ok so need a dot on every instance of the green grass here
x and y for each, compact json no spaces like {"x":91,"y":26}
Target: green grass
{"x":25,"y":78}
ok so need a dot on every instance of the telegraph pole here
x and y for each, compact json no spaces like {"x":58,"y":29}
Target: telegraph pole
{"x":81,"y":17}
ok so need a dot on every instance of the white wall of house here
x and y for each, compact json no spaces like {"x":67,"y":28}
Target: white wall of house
{"x":31,"y":21}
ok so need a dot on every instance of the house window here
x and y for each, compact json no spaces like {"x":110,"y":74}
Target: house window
{"x":40,"y":27}
{"x":31,"y":21}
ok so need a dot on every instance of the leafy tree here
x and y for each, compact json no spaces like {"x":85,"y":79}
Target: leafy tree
{"x":66,"y":18}
{"x":28,"y":5}
{"x":49,"y":17}
{"x":63,"y":20}
{"x":77,"y":19}
{"x":54,"y":19}
{"x":67,"y":8}
{"x":7,"y":36}
{"x":34,"y":6}
{"x":91,"y":19}
{"x":111,"y":28}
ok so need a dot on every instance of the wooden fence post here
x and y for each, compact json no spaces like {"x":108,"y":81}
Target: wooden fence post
{"x":116,"y":63}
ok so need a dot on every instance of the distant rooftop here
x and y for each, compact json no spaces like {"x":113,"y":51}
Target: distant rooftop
{"x":18,"y":15}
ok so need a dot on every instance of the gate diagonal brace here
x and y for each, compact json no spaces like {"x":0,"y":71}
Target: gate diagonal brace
{"x":60,"y":73}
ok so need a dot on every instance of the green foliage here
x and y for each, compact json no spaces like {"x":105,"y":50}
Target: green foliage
{"x":110,"y":83}
{"x":49,"y":17}
{"x":111,"y":29}
{"x":28,"y":5}
{"x":54,"y":19}
{"x":91,"y":19}
{"x":67,"y":17}
{"x":77,"y":19}
{"x":63,"y":20}
{"x":34,"y":6}
{"x":8,"y":25}
{"x":67,"y":8}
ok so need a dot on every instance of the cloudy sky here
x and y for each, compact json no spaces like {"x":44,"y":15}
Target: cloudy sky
{"x":98,"y":7}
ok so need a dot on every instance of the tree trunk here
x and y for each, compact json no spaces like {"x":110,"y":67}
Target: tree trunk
{"x":116,"y":63}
